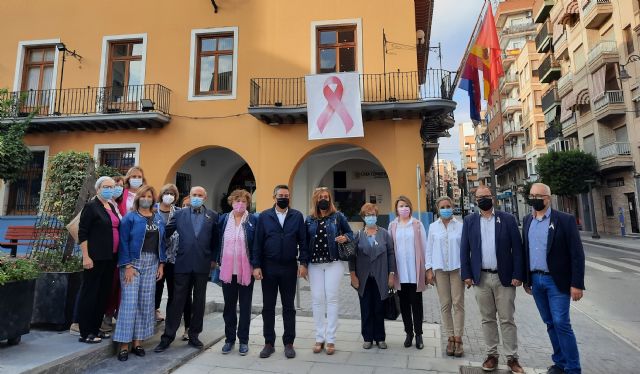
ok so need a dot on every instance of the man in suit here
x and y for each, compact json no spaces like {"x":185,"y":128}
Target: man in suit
{"x":554,"y":264}
{"x":491,"y":260}
{"x":280,"y":243}
{"x":198,"y":231}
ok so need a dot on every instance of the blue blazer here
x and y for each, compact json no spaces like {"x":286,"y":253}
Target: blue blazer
{"x":508,"y":249}
{"x":280,"y":244}
{"x":196,"y":250}
{"x":565,"y":255}
{"x":133,"y":228}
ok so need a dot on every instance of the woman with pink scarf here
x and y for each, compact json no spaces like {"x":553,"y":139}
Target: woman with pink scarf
{"x":237,"y":230}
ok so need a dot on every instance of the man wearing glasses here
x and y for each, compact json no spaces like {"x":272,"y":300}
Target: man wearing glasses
{"x":554,"y":260}
{"x":492,"y":261}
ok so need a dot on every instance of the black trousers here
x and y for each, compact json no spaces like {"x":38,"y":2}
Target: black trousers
{"x":282,"y":278}
{"x":235,"y":293}
{"x":411,"y":308}
{"x":169,"y":275}
{"x":372,"y":313}
{"x":160,"y":288}
{"x":185,"y":284}
{"x":95,"y":289}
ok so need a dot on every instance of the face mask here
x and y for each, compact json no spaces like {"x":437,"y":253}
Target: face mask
{"x":106,"y":193}
{"x":370,"y":220}
{"x":117,"y":191}
{"x":323,"y":204}
{"x":135,"y":182}
{"x":239,"y":206}
{"x":485,"y":203}
{"x":196,"y":201}
{"x":537,"y":204}
{"x":145,"y":203}
{"x":282,"y":202}
{"x":404,"y":211}
{"x":168,"y":199}
{"x":446,"y":213}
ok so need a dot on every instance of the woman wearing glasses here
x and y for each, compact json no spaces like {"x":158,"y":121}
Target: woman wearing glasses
{"x":326,"y":227}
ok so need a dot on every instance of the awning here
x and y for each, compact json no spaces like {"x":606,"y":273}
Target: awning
{"x":598,"y":79}
{"x":570,"y":13}
{"x":582,"y":97}
{"x":566,"y":106}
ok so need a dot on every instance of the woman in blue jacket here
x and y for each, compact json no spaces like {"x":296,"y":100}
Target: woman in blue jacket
{"x":141,"y":259}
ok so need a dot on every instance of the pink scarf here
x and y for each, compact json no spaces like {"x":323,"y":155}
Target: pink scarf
{"x":234,"y":250}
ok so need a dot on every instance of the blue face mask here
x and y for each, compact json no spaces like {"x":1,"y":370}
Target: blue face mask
{"x":117,"y":191}
{"x":106,"y":193}
{"x":196,"y":201}
{"x":446,"y":213}
{"x":370,"y":220}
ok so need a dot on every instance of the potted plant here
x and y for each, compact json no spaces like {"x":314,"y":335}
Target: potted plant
{"x":17,"y":284}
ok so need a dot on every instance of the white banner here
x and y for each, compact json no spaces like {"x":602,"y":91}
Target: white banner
{"x":333,"y":106}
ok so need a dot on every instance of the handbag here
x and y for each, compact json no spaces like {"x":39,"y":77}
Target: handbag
{"x":215,"y":276}
{"x":392,"y":306}
{"x":346,"y":250}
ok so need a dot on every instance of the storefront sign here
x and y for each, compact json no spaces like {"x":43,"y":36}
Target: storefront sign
{"x":333,"y":106}
{"x":375,"y":174}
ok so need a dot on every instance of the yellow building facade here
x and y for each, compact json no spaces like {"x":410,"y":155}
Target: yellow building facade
{"x":198,"y":96}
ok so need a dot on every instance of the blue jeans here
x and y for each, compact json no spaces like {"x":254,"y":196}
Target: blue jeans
{"x":553,"y":306}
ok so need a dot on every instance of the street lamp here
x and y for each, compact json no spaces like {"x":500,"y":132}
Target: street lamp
{"x":592,"y":210}
{"x":61,"y":47}
{"x":624,"y":75}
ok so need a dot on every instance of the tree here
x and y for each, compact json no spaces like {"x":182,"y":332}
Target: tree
{"x":565,"y":172}
{"x":14,"y":154}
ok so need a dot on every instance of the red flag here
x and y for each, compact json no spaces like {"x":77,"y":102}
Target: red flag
{"x":488,"y":38}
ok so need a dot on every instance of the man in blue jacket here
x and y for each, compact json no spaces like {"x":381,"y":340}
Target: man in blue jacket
{"x":197,"y":227}
{"x":554,"y":260}
{"x":492,"y":261}
{"x":279,"y":245}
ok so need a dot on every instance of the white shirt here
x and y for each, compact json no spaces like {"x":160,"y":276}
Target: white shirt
{"x":405,"y":251}
{"x":443,"y":245}
{"x":281,"y":216}
{"x":488,"y":241}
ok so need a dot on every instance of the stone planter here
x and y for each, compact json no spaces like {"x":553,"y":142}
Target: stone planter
{"x":55,"y":297}
{"x":15,"y":315}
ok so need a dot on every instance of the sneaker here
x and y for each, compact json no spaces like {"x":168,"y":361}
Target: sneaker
{"x":74,"y":329}
{"x":243,"y":349}
{"x":226,"y":348}
{"x":267,"y":351}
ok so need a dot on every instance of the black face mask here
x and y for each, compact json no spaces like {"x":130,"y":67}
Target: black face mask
{"x":282,"y":202}
{"x":323,"y":204}
{"x":485,"y":203}
{"x":537,"y":204}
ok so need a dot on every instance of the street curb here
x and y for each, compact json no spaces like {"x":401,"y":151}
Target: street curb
{"x":606,"y":244}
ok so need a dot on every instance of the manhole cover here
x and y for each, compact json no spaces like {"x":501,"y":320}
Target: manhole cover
{"x":478,"y":370}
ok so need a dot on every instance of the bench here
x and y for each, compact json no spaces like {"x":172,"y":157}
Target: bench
{"x":24,"y":235}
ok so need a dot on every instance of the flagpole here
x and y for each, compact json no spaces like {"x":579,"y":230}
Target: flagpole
{"x":463,"y":62}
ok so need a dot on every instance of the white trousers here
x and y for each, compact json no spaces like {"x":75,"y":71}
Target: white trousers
{"x":324,"y":281}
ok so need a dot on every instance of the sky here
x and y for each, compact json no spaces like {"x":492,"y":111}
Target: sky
{"x":453,"y":22}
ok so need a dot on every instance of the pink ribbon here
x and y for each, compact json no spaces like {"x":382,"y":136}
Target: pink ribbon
{"x":334,"y":105}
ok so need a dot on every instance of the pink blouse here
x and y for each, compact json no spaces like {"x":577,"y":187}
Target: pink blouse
{"x":115,"y":222}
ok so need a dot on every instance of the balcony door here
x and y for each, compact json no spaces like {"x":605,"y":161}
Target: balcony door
{"x":124,"y":76}
{"x":37,"y":79}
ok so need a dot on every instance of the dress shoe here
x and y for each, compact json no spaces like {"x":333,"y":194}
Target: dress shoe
{"x":408,"y":340}
{"x":164,"y":344}
{"x":267,"y":351}
{"x":458,"y":350}
{"x":490,"y":364}
{"x":195,"y":342}
{"x":243,"y":349}
{"x":514,"y":365}
{"x":554,"y":369}
{"x":226,"y":348}
{"x":382,"y":345}
{"x":367,"y":345}
{"x":289,"y":352}
{"x":419,"y":342}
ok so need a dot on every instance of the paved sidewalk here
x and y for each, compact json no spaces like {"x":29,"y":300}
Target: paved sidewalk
{"x":620,"y":242}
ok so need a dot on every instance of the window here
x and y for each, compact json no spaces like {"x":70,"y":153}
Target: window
{"x":615,"y":182}
{"x":38,"y":71}
{"x":118,"y":158}
{"x":608,"y":205}
{"x":336,"y":49}
{"x":214,"y":71}
{"x":125,"y":69}
{"x":24,"y":192}
{"x":628,"y":40}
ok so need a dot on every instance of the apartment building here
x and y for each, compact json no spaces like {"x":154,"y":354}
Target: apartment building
{"x":468,"y":178}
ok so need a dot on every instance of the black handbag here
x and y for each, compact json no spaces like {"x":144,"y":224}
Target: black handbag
{"x":392,"y":306}
{"x":346,"y":250}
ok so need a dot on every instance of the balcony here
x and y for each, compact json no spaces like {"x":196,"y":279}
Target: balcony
{"x":512,"y":129}
{"x":403,"y":95}
{"x":509,"y":57}
{"x":544,"y":38}
{"x":552,"y":115}
{"x":552,"y":133}
{"x":549,"y":69}
{"x":541,"y":9}
{"x":596,"y":12}
{"x":569,"y":125}
{"x":560,"y":45}
{"x":550,"y":99}
{"x":93,"y":108}
{"x":508,"y":83}
{"x":604,"y":52}
{"x":518,"y":28}
{"x":510,"y":106}
{"x":615,"y":156}
{"x":609,"y":105}
{"x":565,"y":84}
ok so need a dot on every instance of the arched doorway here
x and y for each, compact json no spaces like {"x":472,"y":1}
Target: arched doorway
{"x":219,"y":170}
{"x":353,"y":175}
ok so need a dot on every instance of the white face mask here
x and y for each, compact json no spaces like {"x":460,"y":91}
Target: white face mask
{"x":168,"y":199}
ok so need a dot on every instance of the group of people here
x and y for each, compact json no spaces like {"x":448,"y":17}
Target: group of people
{"x":134,"y":239}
